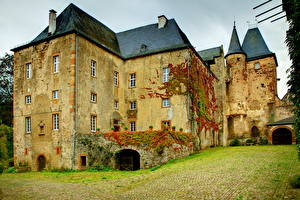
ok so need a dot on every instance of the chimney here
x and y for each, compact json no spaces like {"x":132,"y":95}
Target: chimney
{"x":162,"y":21}
{"x":52,"y":22}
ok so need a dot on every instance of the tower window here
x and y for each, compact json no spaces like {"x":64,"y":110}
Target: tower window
{"x":55,"y":118}
{"x":28,"y":70}
{"x":166,"y":103}
{"x":28,"y":99}
{"x":55,"y":94}
{"x":28,"y":124}
{"x":133,"y":105}
{"x":116,"y":105}
{"x":55,"y":63}
{"x":132,"y":79}
{"x":93,"y":97}
{"x":93,"y":123}
{"x":257,"y":65}
{"x":93,"y":68}
{"x":132,"y":126}
{"x":166,"y":72}
{"x":116,"y":79}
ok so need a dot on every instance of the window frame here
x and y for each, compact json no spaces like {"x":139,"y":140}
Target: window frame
{"x":116,"y":104}
{"x":28,"y":124}
{"x":55,"y":63}
{"x":132,"y":125}
{"x":116,"y":79}
{"x":93,"y":123}
{"x":93,"y":100}
{"x":55,"y":94}
{"x":28,"y":70}
{"x":132,"y":105}
{"x":164,"y":100}
{"x":55,"y":121}
{"x":93,"y":68}
{"x":28,"y":97}
{"x":166,"y":75}
{"x":132,"y":80}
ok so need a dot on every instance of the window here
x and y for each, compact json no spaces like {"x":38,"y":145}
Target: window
{"x":166,"y":103}
{"x":93,"y":97}
{"x":55,"y":94}
{"x":116,"y":105}
{"x":116,"y":79}
{"x":132,"y":79}
{"x":28,"y":70}
{"x":28,"y":99}
{"x":93,"y":123}
{"x":166,"y":72}
{"x":28,"y":124}
{"x":132,"y":126}
{"x":257,"y":65}
{"x":55,"y":63}
{"x":133,"y":105}
{"x":93,"y":68}
{"x":55,"y":120}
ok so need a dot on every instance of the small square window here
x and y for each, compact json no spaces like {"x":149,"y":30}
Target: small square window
{"x":166,"y":103}
{"x":55,"y":94}
{"x":28,"y":99}
{"x":55,"y":63}
{"x":93,"y":97}
{"x":132,"y":126}
{"x":116,"y":105}
{"x":133,"y":105}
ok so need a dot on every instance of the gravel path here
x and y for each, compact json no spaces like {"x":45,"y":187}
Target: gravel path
{"x":255,"y":172}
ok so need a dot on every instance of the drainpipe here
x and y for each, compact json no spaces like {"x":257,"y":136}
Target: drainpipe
{"x":76,"y":105}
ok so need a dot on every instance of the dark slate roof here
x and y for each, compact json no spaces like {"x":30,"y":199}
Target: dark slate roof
{"x":209,"y":54}
{"x":149,"y":39}
{"x":255,"y":46}
{"x":235,"y":45}
{"x":286,"y":121}
{"x":132,"y":43}
{"x":73,"y":19}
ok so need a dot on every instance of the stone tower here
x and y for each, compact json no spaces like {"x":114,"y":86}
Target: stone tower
{"x":250,"y":85}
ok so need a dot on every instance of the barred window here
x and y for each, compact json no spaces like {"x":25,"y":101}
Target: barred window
{"x":116,"y":79}
{"x":132,"y":126}
{"x":133,"y":105}
{"x":132,"y":79}
{"x":55,"y":119}
{"x":28,"y":124}
{"x":93,"y":123}
{"x":93,"y":68}
{"x":28,"y":99}
{"x":28,"y":70}
{"x":93,"y":97}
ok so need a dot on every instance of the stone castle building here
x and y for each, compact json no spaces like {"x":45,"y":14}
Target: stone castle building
{"x":78,"y":77}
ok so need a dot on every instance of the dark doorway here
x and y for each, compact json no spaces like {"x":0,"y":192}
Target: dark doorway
{"x":282,"y":136}
{"x":41,"y":163}
{"x":128,"y":159}
{"x":254,"y":132}
{"x":116,"y":125}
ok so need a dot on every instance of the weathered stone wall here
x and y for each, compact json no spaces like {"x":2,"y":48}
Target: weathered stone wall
{"x":103,"y":152}
{"x":43,"y":140}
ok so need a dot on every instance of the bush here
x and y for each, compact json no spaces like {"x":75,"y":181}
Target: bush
{"x":10,"y":170}
{"x":181,"y":129}
{"x":295,"y":181}
{"x":151,"y":127}
{"x":263,"y":141}
{"x":249,"y":141}
{"x":235,"y":142}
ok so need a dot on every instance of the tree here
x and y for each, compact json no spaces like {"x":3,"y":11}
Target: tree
{"x":292,"y":9}
{"x":6,"y":88}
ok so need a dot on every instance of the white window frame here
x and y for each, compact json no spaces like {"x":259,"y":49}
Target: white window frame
{"x":28,"y":124}
{"x":132,"y":80}
{"x":133,"y":105}
{"x":166,"y":73}
{"x":28,"y":71}
{"x":93,"y":97}
{"x":55,"y":94}
{"x":28,"y":99}
{"x":55,"y":64}
{"x":116,"y":105}
{"x":132,"y":125}
{"x":55,"y":121}
{"x":93,"y":123}
{"x":116,"y":78}
{"x":93,"y":68}
{"x":166,"y":103}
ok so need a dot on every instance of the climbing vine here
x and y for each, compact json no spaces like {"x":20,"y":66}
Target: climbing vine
{"x":193,"y":79}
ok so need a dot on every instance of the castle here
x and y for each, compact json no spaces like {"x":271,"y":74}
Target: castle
{"x":78,"y":77}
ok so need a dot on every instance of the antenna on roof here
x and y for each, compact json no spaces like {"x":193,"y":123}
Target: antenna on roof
{"x":267,"y":11}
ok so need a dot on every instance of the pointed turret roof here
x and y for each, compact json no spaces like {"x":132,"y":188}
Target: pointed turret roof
{"x":254,"y":45}
{"x":235,"y":45}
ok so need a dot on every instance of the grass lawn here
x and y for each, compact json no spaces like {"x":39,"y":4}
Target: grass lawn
{"x":250,"y":172}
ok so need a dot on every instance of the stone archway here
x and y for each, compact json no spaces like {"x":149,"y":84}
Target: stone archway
{"x":282,"y":136}
{"x":41,"y":162}
{"x":128,"y":159}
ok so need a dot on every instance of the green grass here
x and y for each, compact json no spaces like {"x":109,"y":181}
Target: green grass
{"x":247,"y":172}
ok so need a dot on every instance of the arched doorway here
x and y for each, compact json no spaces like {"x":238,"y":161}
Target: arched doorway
{"x":128,"y":159}
{"x":41,"y":162}
{"x":282,"y":136}
{"x":254,"y":131}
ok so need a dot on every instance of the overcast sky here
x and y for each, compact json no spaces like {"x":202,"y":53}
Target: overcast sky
{"x":207,"y":23}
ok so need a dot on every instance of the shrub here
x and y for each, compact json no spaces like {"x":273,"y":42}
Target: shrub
{"x":235,"y":142}
{"x":112,"y":128}
{"x":125,"y":128}
{"x":10,"y":170}
{"x":151,"y":127}
{"x":181,"y":129}
{"x":249,"y":140}
{"x":263,"y":141}
{"x":295,"y":181}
